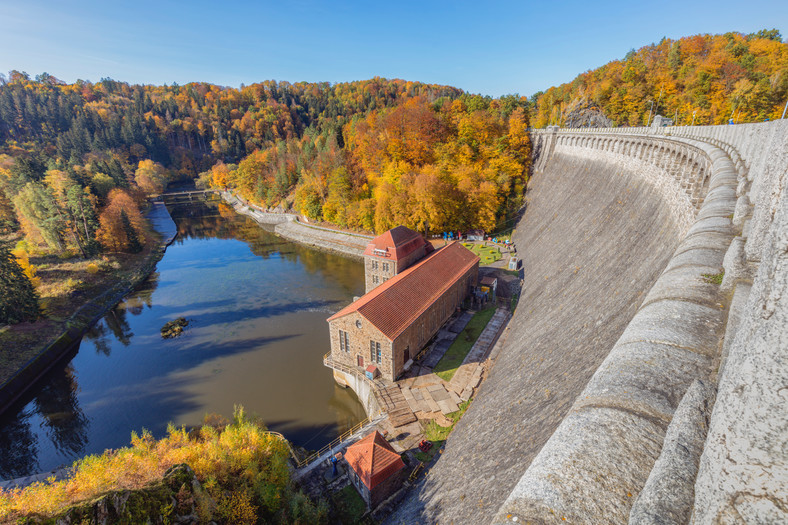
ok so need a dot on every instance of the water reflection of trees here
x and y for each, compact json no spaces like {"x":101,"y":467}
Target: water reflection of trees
{"x":19,"y":446}
{"x":115,"y":324}
{"x":216,"y":219}
{"x":66,"y":424}
{"x":62,"y":419}
{"x":142,"y":296}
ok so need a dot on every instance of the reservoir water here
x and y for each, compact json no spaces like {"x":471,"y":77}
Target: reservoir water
{"x":257,"y":308}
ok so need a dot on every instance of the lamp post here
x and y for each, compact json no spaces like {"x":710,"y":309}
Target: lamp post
{"x":649,"y":113}
{"x":785,"y":109}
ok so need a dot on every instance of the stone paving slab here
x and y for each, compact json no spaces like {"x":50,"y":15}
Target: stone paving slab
{"x":434,"y":407}
{"x":454,"y":397}
{"x":435,"y":388}
{"x":461,"y":322}
{"x":440,"y":395}
{"x":447,"y":407}
{"x":466,"y":394}
{"x":414,"y":405}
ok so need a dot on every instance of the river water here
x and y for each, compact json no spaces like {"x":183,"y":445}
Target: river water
{"x":257,"y":307}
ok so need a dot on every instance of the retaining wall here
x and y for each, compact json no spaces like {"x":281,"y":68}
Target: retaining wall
{"x":290,"y":227}
{"x":362,"y":389}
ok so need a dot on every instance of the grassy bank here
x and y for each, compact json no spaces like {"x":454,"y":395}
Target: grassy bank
{"x":67,"y":283}
{"x":438,"y":434}
{"x":454,"y":356}
{"x":242,"y":469}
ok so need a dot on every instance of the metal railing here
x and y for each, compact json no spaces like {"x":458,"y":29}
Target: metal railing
{"x":289,"y":447}
{"x":342,"y":438}
{"x":375,"y":402}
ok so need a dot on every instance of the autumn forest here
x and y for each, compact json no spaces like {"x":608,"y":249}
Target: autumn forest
{"x":78,"y":161}
{"x":701,"y":80}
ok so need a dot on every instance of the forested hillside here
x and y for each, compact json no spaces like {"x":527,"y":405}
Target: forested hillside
{"x":705,"y":79}
{"x":77,"y":159}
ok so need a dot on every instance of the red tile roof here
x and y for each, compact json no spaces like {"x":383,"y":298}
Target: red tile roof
{"x":395,"y":304}
{"x":396,"y":243}
{"x":373,"y":459}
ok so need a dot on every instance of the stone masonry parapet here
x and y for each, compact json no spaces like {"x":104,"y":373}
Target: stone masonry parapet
{"x":599,"y":458}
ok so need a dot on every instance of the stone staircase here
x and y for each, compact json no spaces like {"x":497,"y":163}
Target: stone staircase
{"x":391,"y":401}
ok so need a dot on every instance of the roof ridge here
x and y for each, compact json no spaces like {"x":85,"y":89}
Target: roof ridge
{"x":438,"y":293}
{"x":373,"y":294}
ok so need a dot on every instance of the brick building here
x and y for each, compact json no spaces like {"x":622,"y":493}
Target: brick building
{"x":376,"y":470}
{"x":392,"y":323}
{"x":391,"y":253}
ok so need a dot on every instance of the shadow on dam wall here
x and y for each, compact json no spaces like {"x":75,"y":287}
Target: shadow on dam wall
{"x":594,"y":239}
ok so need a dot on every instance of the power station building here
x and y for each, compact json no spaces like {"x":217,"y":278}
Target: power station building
{"x":391,"y":323}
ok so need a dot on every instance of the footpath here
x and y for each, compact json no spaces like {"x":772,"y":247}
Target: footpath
{"x":291,"y":227}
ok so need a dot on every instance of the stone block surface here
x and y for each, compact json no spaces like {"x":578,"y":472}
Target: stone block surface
{"x":598,"y":461}
{"x":644,"y":378}
{"x":677,"y":323}
{"x":668,"y":495}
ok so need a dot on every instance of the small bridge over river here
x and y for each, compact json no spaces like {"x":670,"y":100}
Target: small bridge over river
{"x":185,"y":194}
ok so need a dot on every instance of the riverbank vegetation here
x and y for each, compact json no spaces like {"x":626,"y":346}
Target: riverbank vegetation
{"x":243,"y":471}
{"x":701,"y":79}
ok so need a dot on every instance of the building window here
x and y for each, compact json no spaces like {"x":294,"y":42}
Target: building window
{"x":375,"y":279}
{"x":385,"y":267}
{"x":374,"y":352}
{"x":374,"y":265}
{"x":344,"y":341}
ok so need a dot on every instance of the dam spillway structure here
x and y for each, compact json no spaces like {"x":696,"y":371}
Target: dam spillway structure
{"x":643,"y":375}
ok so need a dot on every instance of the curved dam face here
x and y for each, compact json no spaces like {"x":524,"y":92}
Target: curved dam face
{"x":642,"y":378}
{"x":596,"y":234}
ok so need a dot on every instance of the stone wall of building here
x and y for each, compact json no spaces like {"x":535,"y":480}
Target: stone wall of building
{"x":377,"y":270}
{"x":359,"y":343}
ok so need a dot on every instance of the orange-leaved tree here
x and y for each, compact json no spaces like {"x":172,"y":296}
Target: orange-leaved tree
{"x":121,"y":225}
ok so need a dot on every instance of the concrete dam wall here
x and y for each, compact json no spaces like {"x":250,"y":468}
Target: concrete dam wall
{"x":598,"y":406}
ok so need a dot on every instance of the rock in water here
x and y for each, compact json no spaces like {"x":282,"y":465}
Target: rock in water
{"x":174,"y":328}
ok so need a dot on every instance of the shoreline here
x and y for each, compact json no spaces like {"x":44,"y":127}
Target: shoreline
{"x":290,"y":227}
{"x":89,"y":313}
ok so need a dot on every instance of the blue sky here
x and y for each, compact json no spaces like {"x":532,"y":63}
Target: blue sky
{"x":493,"y":48}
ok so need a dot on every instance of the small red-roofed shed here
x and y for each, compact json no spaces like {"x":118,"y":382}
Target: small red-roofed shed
{"x":376,"y":470}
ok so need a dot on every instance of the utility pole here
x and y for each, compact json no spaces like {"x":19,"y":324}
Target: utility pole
{"x":693,"y":117}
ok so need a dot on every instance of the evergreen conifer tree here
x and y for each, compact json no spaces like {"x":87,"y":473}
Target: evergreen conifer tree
{"x":18,"y":298}
{"x":131,"y":235}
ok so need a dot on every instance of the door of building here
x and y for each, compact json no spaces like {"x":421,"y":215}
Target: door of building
{"x":407,"y":354}
{"x":361,"y":361}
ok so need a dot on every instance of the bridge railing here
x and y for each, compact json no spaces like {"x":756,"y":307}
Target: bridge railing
{"x":341,"y":439}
